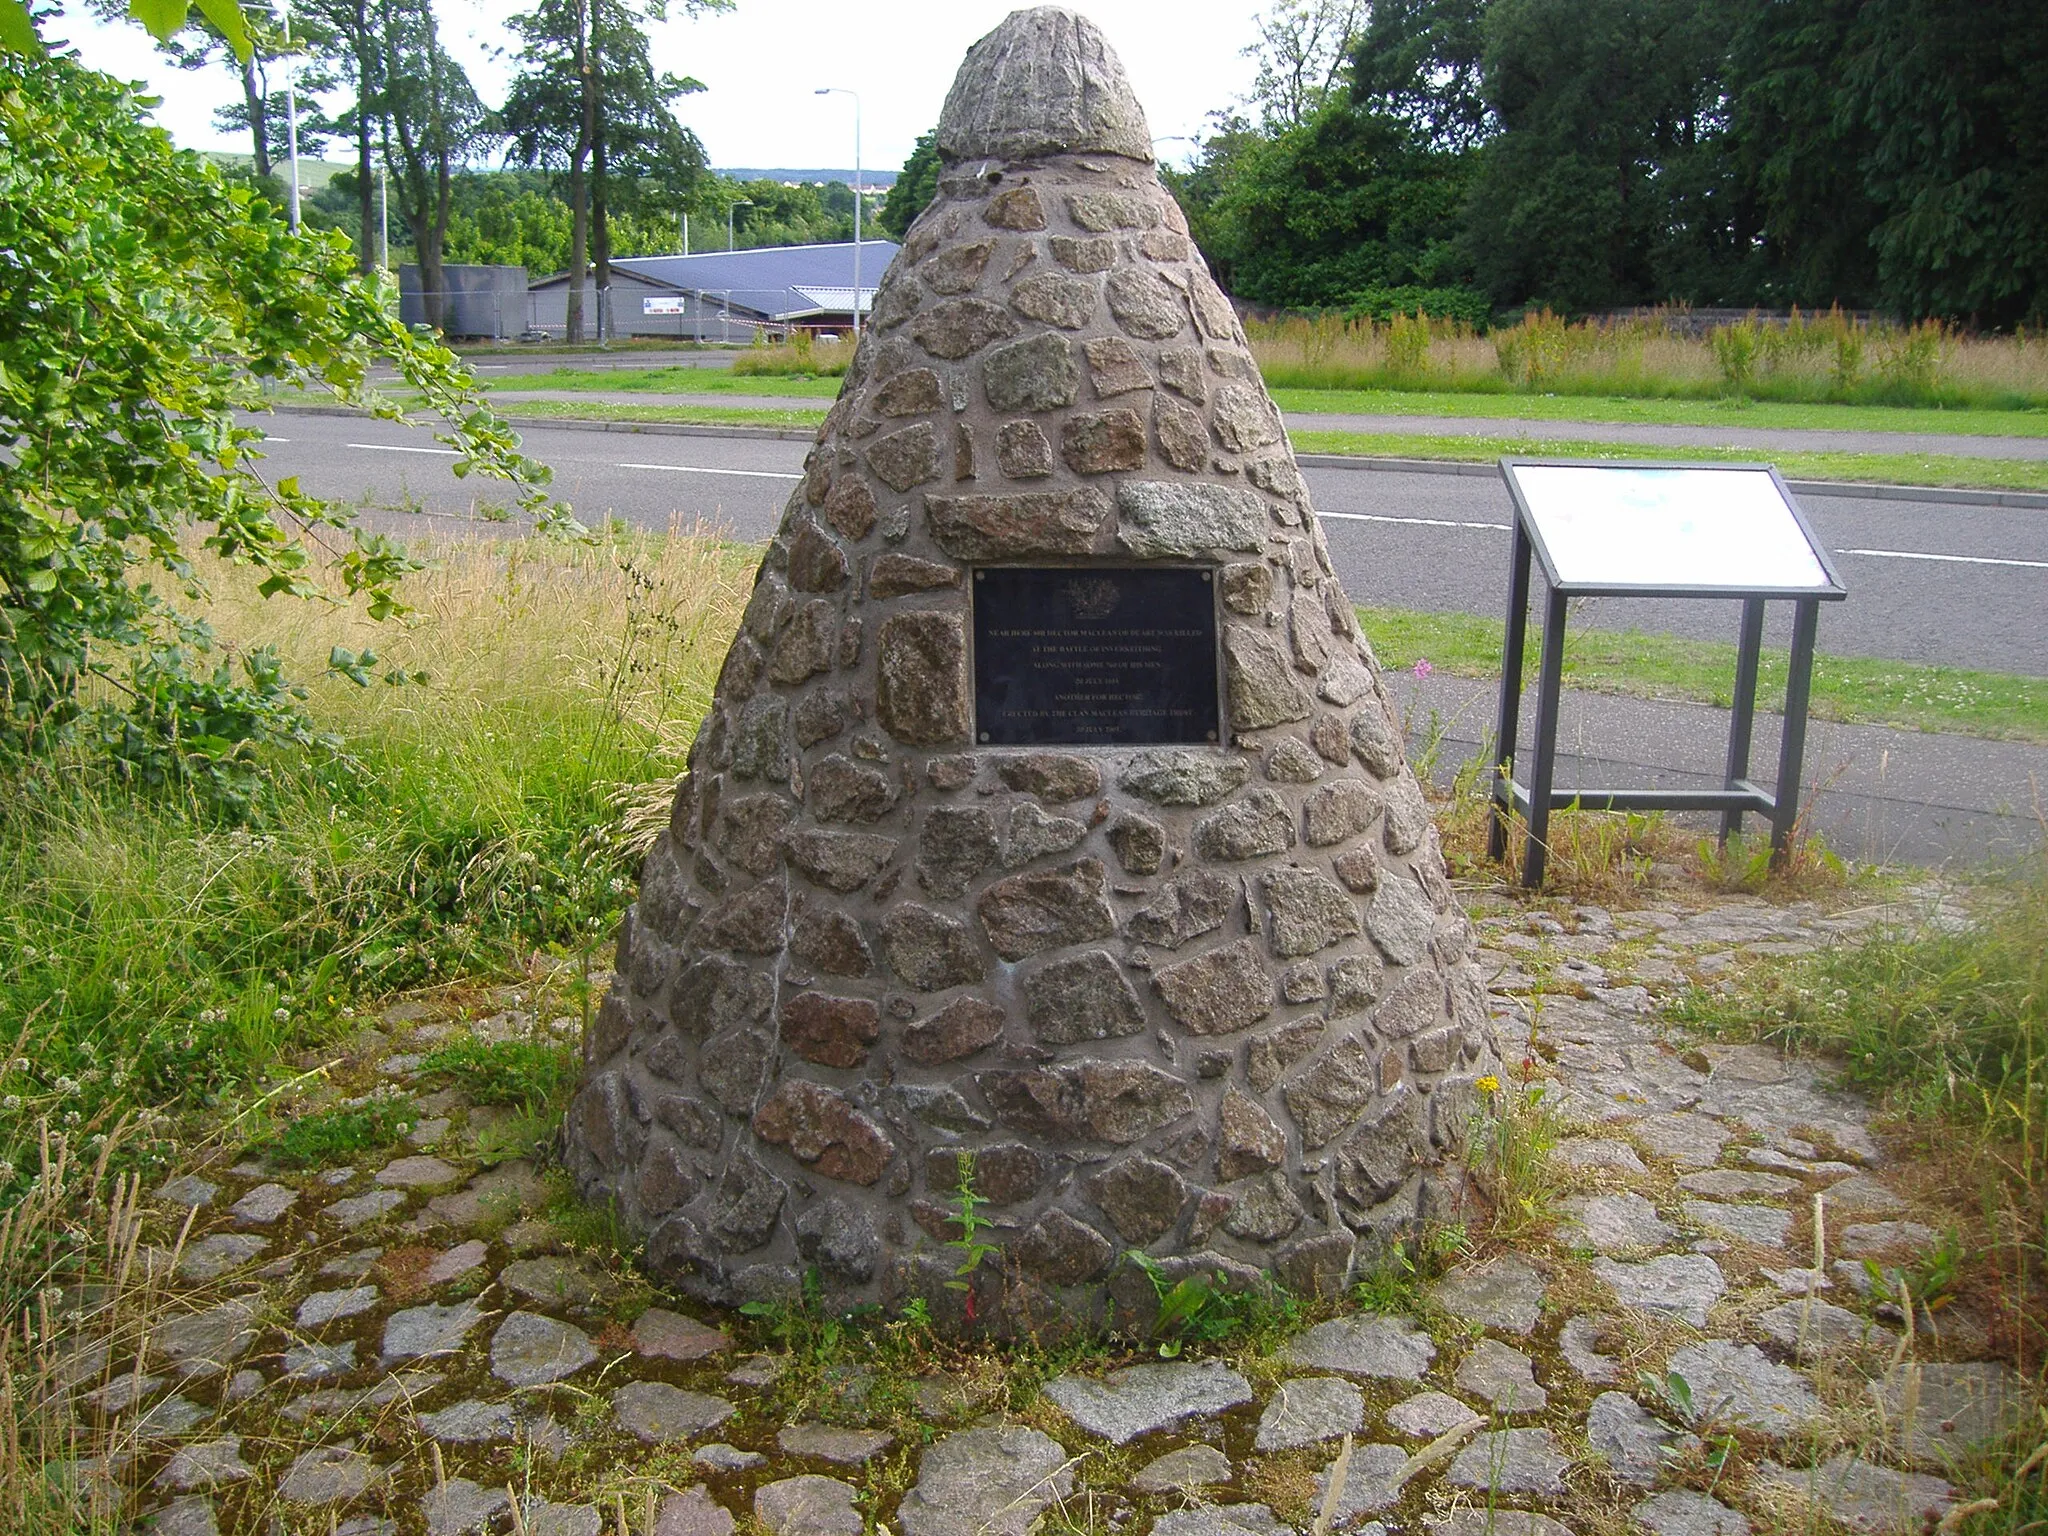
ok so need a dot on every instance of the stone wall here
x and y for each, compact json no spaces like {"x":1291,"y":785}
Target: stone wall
{"x":1214,"y":1003}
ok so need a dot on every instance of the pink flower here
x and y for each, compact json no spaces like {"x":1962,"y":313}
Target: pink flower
{"x":1423,"y":669}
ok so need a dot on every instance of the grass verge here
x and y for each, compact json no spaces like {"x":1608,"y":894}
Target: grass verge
{"x":1852,"y":689}
{"x":680,"y":381}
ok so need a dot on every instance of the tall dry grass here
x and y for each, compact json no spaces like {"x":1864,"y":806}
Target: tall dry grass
{"x":1830,"y":358}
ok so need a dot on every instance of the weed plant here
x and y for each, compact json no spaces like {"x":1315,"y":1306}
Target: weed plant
{"x":526,"y":1074}
{"x":801,"y":354}
{"x":161,"y":958}
{"x":1831,"y":358}
{"x":336,"y":1135}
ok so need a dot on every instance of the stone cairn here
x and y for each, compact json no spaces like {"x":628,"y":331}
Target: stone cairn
{"x":1214,"y":1002}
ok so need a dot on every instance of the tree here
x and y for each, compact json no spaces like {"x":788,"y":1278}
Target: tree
{"x":147,"y":302}
{"x":430,"y":122}
{"x":359,"y":58}
{"x":1300,"y":56}
{"x":1419,"y":61}
{"x":246,"y":42}
{"x":916,"y":185}
{"x":315,"y":127}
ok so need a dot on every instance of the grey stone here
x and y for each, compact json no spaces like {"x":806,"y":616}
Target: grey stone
{"x":529,"y":1350}
{"x":1959,"y":1408}
{"x":1886,"y":1240}
{"x":1253,"y":828}
{"x":1184,"y":519}
{"x":1307,"y":1410}
{"x":1505,"y":1377}
{"x":455,"y":1263}
{"x":1511,"y":1461}
{"x":263,"y":1205}
{"x":721,"y":1457}
{"x":1579,"y":1342}
{"x":324,"y":1307}
{"x":1682,"y":1512}
{"x":663,"y":1335}
{"x":655,"y":1412}
{"x":1502,"y":1293}
{"x":202,"y":1344}
{"x":1637,"y":1447}
{"x":330,"y":1474}
{"x":1290,"y":761}
{"x":1497,"y":1522}
{"x":1184,"y":778}
{"x":843,"y":1447}
{"x":1265,"y":1208}
{"x":187,"y":1189}
{"x":1400,"y":920}
{"x":921,"y":678}
{"x":1143,"y":1398}
{"x":1428,"y":1415}
{"x":1863,"y":1497}
{"x":1674,"y":1285}
{"x":1262,"y":684}
{"x":1862,"y":1195}
{"x":929,"y":950}
{"x":1390,"y":1348}
{"x":1044,"y":82}
{"x":1306,"y":912}
{"x":1081,"y":997}
{"x":123,"y":1392}
{"x":192,"y":1516}
{"x":1812,"y":1327}
{"x":337,"y":1402}
{"x":1248,"y":1139}
{"x":1592,"y":1152}
{"x":210,"y":1257}
{"x":1218,"y":991}
{"x":361,"y":1210}
{"x":1061,"y":1250}
{"x":956,"y":844}
{"x":551,"y":1281}
{"x":471,"y":1422}
{"x":1034,"y":835}
{"x":1614,"y":1224}
{"x":1046,"y":909}
{"x":1222,"y":1520}
{"x":1036,"y":374}
{"x":693,"y":1512}
{"x":807,"y":1506}
{"x":1764,"y":1225}
{"x":213,"y":1464}
{"x":1190,"y":1467}
{"x":429,"y":1330}
{"x":168,"y":1419}
{"x":1145,"y":304}
{"x":1185,"y":908}
{"x":317,"y":1362}
{"x":1735,"y":1383}
{"x":1141,"y":1196}
{"x":1735,"y":1183}
{"x":1370,"y":1482}
{"x":542,"y":1517}
{"x":993,"y":1482}
{"x":459,"y":1507}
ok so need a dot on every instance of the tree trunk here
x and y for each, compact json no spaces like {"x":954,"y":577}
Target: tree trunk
{"x":579,"y":184}
{"x":259,"y":114}
{"x":600,"y":241}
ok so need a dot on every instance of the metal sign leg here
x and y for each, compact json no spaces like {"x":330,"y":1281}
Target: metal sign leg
{"x":1508,"y":720}
{"x":1741,"y":727}
{"x":1792,"y":750}
{"x":1543,"y":766}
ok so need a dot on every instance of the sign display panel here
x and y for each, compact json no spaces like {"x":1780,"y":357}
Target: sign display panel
{"x":664,"y":304}
{"x":1096,"y":656}
{"x":1688,"y":527}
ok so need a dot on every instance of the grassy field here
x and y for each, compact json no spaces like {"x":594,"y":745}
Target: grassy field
{"x":1852,"y":689}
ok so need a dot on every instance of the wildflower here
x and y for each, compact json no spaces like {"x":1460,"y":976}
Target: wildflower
{"x":1423,"y":669}
{"x":11,"y":1103}
{"x":1488,"y":1084}
{"x":67,"y":1085}
{"x":281,"y":1014}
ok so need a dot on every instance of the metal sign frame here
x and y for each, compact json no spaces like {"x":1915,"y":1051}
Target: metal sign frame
{"x":1536,"y":799}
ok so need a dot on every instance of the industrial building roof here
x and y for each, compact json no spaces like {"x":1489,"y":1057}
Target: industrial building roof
{"x":784,"y":282}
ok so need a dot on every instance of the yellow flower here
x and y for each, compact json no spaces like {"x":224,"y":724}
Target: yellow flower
{"x":1488,"y":1084}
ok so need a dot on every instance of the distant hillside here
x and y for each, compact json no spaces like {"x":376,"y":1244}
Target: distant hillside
{"x":313,"y":174}
{"x":874,"y":180}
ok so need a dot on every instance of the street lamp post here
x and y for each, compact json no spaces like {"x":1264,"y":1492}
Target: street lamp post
{"x":840,"y":90}
{"x":732,"y":208}
{"x":291,"y":117}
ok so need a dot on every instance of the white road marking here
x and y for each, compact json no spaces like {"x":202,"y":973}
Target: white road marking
{"x":400,"y":448}
{"x":1418,"y":522}
{"x":694,"y":469}
{"x":269,"y":439}
{"x":1914,"y":554}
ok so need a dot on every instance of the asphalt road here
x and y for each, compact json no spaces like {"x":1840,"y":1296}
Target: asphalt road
{"x":1930,"y":582}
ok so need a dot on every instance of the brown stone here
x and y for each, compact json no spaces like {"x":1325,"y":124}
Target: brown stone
{"x":956,"y":844}
{"x":1141,"y":1196}
{"x":760,"y":749}
{"x":1264,"y":1209}
{"x":1413,"y":1006}
{"x":921,"y":678}
{"x":1115,"y":367}
{"x":1357,"y":868}
{"x":951,"y":773}
{"x":1213,"y":313}
{"x":989,"y":528}
{"x":1329,"y":1096}
{"x":1035,"y":374}
{"x":732,"y":1066}
{"x":1004,"y":1174}
{"x":1055,"y":299}
{"x":897,"y":575}
{"x":1018,"y":208}
{"x":1062,"y":1251}
{"x":816,"y":563}
{"x":1244,"y":418}
{"x":1306,"y":911}
{"x":1125,"y":1101}
{"x":839,"y":861}
{"x":1261,"y":684}
{"x":750,"y":831}
{"x":1081,"y":997}
{"x":1022,"y":451}
{"x":960,"y":327}
{"x":1254,"y":827}
{"x":957,"y":268}
{"x":1164,"y":245}
{"x":1102,"y":211}
{"x":851,"y":507}
{"x":839,"y":789}
{"x":826,"y":939}
{"x":1183,"y":441}
{"x":1180,"y":370}
{"x":1218,"y":991}
{"x":1034,"y":834}
{"x":714,"y":994}
{"x":1046,"y":909}
{"x":1302,"y":982}
{"x":832,"y":1031}
{"x":1183,"y":778}
{"x":804,"y":648}
{"x":1100,"y":442}
{"x":1268,"y":1055}
{"x":956,"y":1031}
{"x":907,"y":458}
{"x":748,"y":1202}
{"x":1354,"y":982}
{"x":1407,"y":820}
{"x":1054,"y":777}
{"x":913,"y":392}
{"x":1249,"y":1140}
{"x":1146,"y":305}
{"x":963,"y":451}
{"x":1083,"y":255}
{"x":1327,"y":736}
{"x":1187,"y":907}
{"x":1139,"y":844}
{"x":1339,"y":811}
{"x":1376,"y":740}
{"x":1247,"y":587}
{"x":820,"y":1127}
{"x":929,"y":950}
{"x":751,"y":924}
{"x":819,"y":716}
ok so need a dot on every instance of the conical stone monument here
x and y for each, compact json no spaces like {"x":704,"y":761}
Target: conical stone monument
{"x":1050,"y":830}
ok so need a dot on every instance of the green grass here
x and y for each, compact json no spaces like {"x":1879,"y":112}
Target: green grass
{"x":687,"y":415}
{"x":676,"y":381}
{"x":526,"y":1073}
{"x":329,"y":1136}
{"x":1729,"y":412}
{"x":1852,"y":689}
{"x":1860,"y":468}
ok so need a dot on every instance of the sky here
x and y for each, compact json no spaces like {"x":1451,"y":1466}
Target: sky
{"x":762,"y":61}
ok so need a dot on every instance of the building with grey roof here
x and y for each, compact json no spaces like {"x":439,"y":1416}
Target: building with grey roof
{"x":725,"y":295}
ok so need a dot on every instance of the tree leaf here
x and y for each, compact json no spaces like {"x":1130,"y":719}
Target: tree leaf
{"x":228,"y":20}
{"x":163,"y":18}
{"x":17,"y":32}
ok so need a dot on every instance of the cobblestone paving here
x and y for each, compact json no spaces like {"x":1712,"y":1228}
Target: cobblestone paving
{"x":408,"y":1347}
